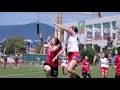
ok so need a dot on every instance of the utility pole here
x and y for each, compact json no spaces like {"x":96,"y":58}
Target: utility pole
{"x":99,"y":14}
{"x":59,"y":33}
{"x":38,"y":23}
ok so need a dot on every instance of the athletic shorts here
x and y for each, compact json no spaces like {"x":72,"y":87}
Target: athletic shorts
{"x":117,"y":76}
{"x":5,"y":62}
{"x":54,"y":70}
{"x":16,"y":62}
{"x":63,"y":67}
{"x":74,"y":56}
{"x":103,"y":69}
{"x":85,"y":73}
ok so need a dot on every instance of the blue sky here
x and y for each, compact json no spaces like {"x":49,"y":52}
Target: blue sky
{"x":18,"y":18}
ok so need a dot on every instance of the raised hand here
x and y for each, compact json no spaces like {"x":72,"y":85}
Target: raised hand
{"x":53,"y":21}
{"x":41,"y":35}
{"x":49,"y":37}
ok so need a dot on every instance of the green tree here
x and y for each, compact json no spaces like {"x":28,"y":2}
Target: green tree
{"x":89,"y":51}
{"x":37,"y":49}
{"x":109,"y":43}
{"x":15,"y":45}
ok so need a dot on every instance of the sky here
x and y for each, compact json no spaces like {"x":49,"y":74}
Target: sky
{"x":21,"y":18}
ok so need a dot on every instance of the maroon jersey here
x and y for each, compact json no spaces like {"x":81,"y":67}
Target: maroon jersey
{"x":117,"y":62}
{"x":50,"y":56}
{"x":85,"y":68}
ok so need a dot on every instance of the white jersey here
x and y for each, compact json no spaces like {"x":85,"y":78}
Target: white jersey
{"x":104,"y":62}
{"x":64,"y":63}
{"x":72,"y":44}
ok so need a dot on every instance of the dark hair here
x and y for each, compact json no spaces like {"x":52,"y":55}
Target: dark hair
{"x":113,"y":54}
{"x":74,"y":28}
{"x":57,"y":41}
{"x":118,"y":50}
{"x":106,"y":55}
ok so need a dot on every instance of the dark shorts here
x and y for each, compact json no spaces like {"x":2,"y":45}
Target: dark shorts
{"x":16,"y":62}
{"x":117,"y":76}
{"x":54,"y":70}
{"x":85,"y":74}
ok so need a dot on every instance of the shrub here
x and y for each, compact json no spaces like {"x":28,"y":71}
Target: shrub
{"x":89,"y":51}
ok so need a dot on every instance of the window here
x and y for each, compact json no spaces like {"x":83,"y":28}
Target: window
{"x":89,"y":31}
{"x":97,"y":28}
{"x":106,"y":30}
{"x":114,"y":24}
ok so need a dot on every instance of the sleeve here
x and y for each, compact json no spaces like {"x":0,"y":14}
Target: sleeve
{"x":116,"y":59}
{"x":99,"y":61}
{"x":82,"y":62}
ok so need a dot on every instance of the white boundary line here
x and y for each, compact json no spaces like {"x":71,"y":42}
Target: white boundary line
{"x":19,"y":74}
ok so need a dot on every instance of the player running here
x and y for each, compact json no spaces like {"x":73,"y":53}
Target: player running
{"x":85,"y":68}
{"x":5,"y":61}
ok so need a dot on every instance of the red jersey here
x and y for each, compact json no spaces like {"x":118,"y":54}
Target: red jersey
{"x":85,"y":68}
{"x":117,"y":62}
{"x":50,"y":56}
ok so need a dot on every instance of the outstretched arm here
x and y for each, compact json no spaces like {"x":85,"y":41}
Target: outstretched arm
{"x":41,"y":39}
{"x":42,"y":43}
{"x":115,"y":63}
{"x":65,"y":29}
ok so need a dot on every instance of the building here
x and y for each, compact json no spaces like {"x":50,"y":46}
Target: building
{"x":95,"y":32}
{"x":1,"y":48}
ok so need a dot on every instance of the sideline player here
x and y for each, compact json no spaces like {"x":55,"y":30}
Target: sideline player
{"x":5,"y":61}
{"x":16,"y":63}
{"x":64,"y":65}
{"x":104,"y":65}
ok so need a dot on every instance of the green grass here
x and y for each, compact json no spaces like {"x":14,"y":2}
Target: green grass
{"x":28,"y":71}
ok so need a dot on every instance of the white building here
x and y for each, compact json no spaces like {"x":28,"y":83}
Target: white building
{"x":97,"y":31}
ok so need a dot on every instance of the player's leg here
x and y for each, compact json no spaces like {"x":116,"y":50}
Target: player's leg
{"x":5,"y":64}
{"x":89,"y":74}
{"x":84,"y":75}
{"x":63,"y":70}
{"x":106,"y":73}
{"x":102,"y":72}
{"x":66,"y":69}
{"x":16,"y":64}
{"x":71,"y":68}
{"x":116,"y":76}
{"x":54,"y":72}
{"x":47,"y":70}
{"x":71,"y":75}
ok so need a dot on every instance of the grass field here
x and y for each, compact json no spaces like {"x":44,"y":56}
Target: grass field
{"x":31,"y":71}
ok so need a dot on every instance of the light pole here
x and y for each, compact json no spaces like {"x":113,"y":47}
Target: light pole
{"x":59,"y":33}
{"x":38,"y":23}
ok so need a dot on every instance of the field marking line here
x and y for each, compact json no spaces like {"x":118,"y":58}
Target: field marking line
{"x":20,"y":74}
